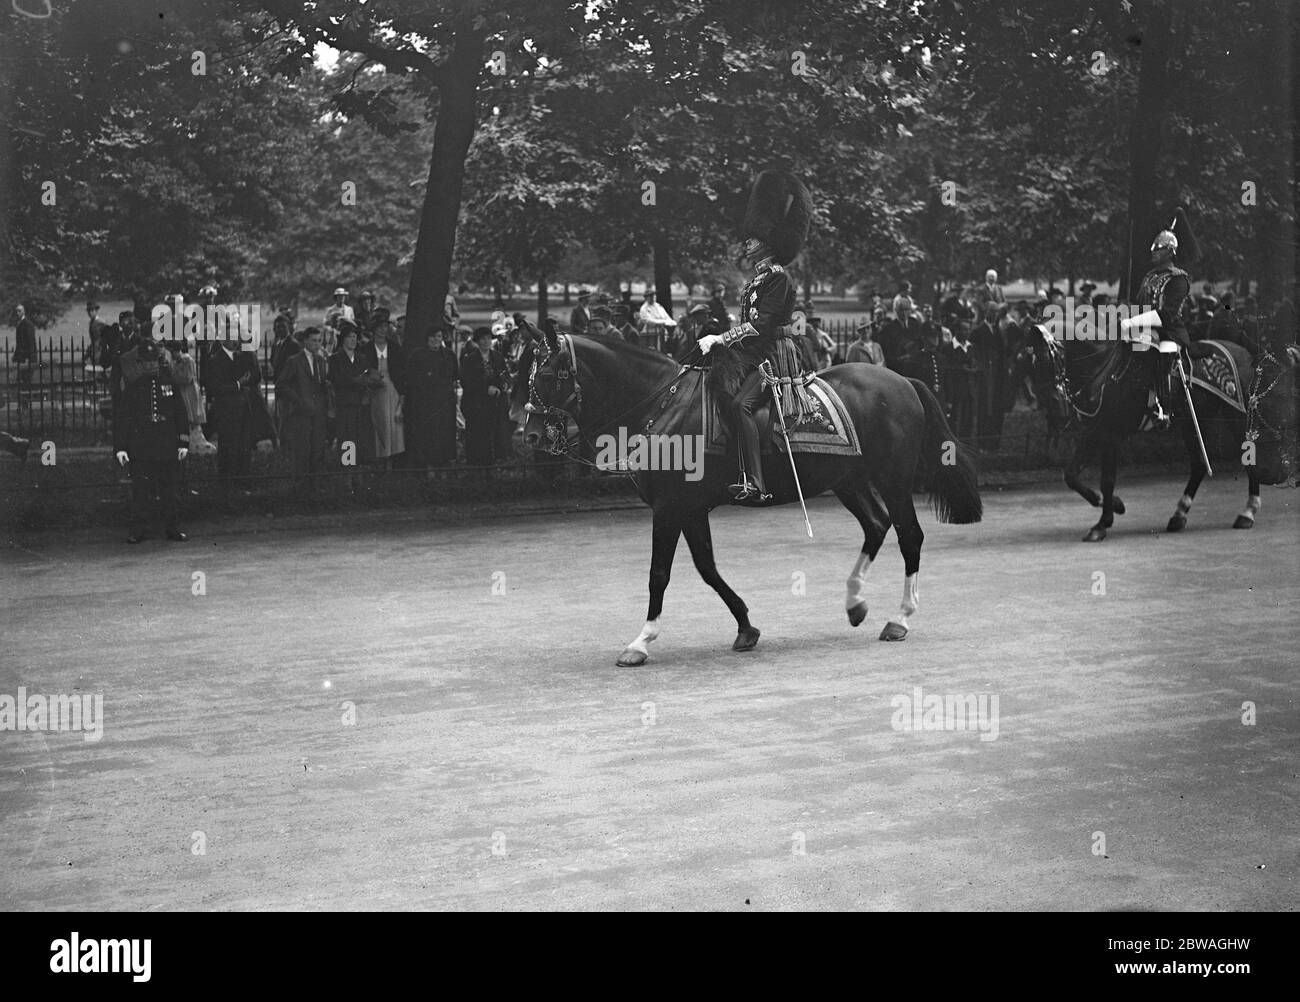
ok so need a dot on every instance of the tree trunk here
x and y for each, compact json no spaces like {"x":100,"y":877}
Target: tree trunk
{"x":1155,"y":84}
{"x":541,"y":300}
{"x":436,"y":242}
{"x":663,"y":272}
{"x":1275,"y":235}
{"x":566,"y":294}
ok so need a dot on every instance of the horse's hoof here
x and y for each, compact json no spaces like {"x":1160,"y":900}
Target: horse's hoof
{"x":1116,"y":505}
{"x":893,"y":631}
{"x":1095,"y":535}
{"x":1243,"y":523}
{"x":746,"y":639}
{"x":857,"y":614}
{"x":631,"y":658}
{"x":1177,"y":523}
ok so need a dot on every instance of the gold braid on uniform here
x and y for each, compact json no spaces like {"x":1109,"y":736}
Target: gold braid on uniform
{"x":737,"y":334}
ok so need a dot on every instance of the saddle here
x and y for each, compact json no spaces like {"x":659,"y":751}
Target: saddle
{"x":826,"y":428}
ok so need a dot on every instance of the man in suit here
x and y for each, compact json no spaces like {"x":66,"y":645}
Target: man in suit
{"x":231,"y":378}
{"x":151,"y":432}
{"x":989,"y":354}
{"x":430,"y":406}
{"x":97,"y":329}
{"x":989,"y":292}
{"x":302,"y":390}
{"x":900,"y":338}
{"x":24,"y":356}
{"x":956,"y":351}
{"x":483,"y":381}
{"x":581,"y":315}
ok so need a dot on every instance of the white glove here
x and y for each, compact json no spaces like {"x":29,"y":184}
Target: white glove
{"x":709,"y":342}
{"x":181,"y":453}
{"x":123,"y":458}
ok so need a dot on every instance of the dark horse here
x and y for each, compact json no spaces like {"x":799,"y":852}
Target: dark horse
{"x":605,"y":385}
{"x":1104,"y":387}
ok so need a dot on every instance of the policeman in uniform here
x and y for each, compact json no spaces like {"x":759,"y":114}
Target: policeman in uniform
{"x":1167,"y":289}
{"x":775,"y":228}
{"x":151,"y":433}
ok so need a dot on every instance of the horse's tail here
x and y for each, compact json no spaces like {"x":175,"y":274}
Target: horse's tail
{"x":954,"y":490}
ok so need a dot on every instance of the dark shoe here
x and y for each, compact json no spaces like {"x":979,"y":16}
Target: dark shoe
{"x":136,"y":537}
{"x":176,"y":536}
{"x":748,"y":491}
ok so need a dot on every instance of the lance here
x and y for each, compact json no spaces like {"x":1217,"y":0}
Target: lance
{"x":771,"y":380}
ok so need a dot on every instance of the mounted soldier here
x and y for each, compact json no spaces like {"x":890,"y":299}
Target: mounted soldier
{"x":1166,"y":288}
{"x":775,"y":227}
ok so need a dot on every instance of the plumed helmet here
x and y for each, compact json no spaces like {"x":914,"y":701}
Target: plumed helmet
{"x":779,"y":214}
{"x":1178,"y":237}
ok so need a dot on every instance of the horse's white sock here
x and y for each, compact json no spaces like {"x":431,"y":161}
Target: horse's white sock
{"x":648,"y":633}
{"x":911,"y":601}
{"x":857,"y":579}
{"x":1252,"y":508}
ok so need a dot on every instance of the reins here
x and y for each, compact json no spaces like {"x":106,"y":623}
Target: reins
{"x":666,"y":389}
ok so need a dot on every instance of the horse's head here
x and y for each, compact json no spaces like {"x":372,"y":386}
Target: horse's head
{"x":1271,"y":415}
{"x":554,"y":396}
{"x":1047,"y":363}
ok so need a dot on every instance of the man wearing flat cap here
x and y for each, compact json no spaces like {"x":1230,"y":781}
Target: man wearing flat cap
{"x":581,"y":315}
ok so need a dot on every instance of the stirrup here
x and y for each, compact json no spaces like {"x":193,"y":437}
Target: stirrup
{"x":747,"y":490}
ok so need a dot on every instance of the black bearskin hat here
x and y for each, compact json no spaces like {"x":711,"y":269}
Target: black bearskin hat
{"x":779,"y":214}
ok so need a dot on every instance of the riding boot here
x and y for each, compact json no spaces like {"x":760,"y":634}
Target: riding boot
{"x":751,"y":487}
{"x":1160,"y":403}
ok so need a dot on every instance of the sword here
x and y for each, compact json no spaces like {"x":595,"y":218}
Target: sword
{"x":1191,"y":410}
{"x":770,"y":379}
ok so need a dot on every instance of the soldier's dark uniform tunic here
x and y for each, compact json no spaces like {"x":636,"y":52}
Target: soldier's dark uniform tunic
{"x":1166,"y":289}
{"x":150,"y":424}
{"x":767,"y":306}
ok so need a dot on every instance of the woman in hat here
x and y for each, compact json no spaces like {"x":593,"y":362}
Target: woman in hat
{"x":386,"y":361}
{"x":365,"y":312}
{"x":775,"y":228}
{"x":185,"y":378}
{"x":864,"y":349}
{"x":353,"y":383}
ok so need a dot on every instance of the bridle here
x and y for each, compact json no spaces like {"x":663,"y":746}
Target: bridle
{"x":557,"y":416}
{"x":1060,"y":373}
{"x":1256,"y":425}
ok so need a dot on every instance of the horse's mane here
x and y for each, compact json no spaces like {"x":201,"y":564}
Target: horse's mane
{"x":617,"y":346}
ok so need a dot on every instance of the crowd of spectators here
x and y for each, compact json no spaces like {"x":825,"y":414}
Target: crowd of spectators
{"x":358,"y":392}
